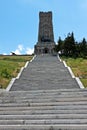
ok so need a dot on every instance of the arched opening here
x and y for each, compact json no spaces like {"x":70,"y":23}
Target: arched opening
{"x":46,"y":50}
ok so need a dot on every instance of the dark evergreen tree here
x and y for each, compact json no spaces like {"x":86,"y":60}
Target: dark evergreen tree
{"x":59,"y":46}
{"x":77,"y":50}
{"x":69,"y":45}
{"x":83,"y":48}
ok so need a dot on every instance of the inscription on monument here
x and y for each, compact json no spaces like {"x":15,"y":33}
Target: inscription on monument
{"x":45,"y":42}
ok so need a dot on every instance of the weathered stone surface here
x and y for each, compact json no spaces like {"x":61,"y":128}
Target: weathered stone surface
{"x":45,"y":42}
{"x":45,"y":72}
{"x":43,"y":111}
{"x":51,"y":100}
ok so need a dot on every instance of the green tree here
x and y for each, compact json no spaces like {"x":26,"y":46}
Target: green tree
{"x":59,"y":46}
{"x":69,"y":45}
{"x":83,"y":48}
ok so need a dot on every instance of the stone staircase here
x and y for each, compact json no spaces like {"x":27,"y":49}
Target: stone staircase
{"x":63,"y":109}
{"x":45,"y":97}
{"x":45,"y":72}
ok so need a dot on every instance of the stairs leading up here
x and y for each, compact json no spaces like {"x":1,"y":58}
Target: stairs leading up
{"x":45,"y":72}
{"x":45,"y":97}
{"x":60,"y":109}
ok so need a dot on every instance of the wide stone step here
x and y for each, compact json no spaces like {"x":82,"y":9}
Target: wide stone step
{"x":60,"y":82}
{"x":45,"y":116}
{"x":39,"y":112}
{"x":57,"y":100}
{"x":48,"y":105}
{"x":22,"y":88}
{"x":60,"y":107}
{"x":45,"y":91}
{"x":39,"y":102}
{"x":43,"y":94}
{"x":43,"y":121}
{"x":35,"y":85}
{"x":45,"y":127}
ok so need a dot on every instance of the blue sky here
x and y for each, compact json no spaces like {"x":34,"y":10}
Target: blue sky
{"x":19,"y":22}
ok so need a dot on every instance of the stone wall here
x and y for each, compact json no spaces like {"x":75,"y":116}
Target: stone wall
{"x":45,"y":42}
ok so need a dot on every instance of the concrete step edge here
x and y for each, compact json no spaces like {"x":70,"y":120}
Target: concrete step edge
{"x":40,"y":102}
{"x":45,"y":127}
{"x":42,"y":107}
{"x":43,"y":121}
{"x":39,"y":112}
{"x":44,"y":116}
{"x":50,"y":91}
{"x":54,"y":95}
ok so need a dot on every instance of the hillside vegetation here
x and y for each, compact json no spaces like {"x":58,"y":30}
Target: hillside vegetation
{"x":10,"y":67}
{"x":69,"y":47}
{"x":79,"y":68}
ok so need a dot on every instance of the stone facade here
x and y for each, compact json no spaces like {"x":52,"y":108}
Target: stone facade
{"x":45,"y":42}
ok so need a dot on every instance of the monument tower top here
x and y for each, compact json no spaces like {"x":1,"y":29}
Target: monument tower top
{"x":45,"y":42}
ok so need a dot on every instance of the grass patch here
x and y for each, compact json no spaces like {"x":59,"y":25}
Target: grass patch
{"x":79,"y":68}
{"x":10,"y":67}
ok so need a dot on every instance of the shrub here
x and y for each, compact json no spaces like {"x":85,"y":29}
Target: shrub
{"x":5,"y":73}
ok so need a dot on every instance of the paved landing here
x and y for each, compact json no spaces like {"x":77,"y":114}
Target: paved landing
{"x":45,"y":72}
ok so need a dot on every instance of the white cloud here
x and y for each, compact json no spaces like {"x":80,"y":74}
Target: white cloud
{"x":29,"y":51}
{"x":19,"y":49}
{"x":4,"y":53}
{"x":17,"y":52}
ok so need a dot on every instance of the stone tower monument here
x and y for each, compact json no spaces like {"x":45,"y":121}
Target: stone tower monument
{"x":45,"y":42}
